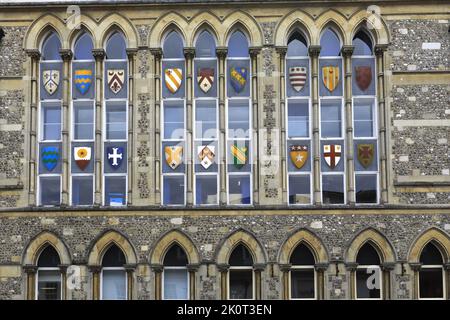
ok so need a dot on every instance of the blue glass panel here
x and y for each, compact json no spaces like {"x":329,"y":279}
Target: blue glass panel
{"x":238,"y":45}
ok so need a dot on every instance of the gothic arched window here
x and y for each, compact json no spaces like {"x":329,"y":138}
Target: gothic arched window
{"x":368,"y":273}
{"x":113,"y":277}
{"x":240,"y":276}
{"x":175,"y":275}
{"x":431,"y":274}
{"x":48,"y":275}
{"x":303,"y":275}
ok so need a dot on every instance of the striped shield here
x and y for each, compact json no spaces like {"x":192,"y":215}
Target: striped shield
{"x":330,"y":77}
{"x":173,"y":79}
{"x":297,"y":77}
{"x":240,"y":155}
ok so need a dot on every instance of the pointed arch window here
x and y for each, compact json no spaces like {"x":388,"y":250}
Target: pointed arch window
{"x":241,"y":276}
{"x":298,"y":119}
{"x":431,"y":274}
{"x":115,"y":137}
{"x":175,"y":275}
{"x":303,"y":274}
{"x":113,"y":275}
{"x":173,"y":121}
{"x":206,"y":128}
{"x":239,"y":124}
{"x":368,"y":273}
{"x":50,"y":123}
{"x":49,"y":278}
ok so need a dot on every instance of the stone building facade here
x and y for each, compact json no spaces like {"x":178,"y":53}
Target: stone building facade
{"x":411,"y":79}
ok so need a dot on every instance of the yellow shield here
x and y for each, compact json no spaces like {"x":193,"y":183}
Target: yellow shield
{"x":299,"y":155}
{"x":330,"y":77}
{"x":174,"y":156}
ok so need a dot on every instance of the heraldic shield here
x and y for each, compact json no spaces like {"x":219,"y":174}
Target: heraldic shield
{"x":206,"y":155}
{"x":115,"y":156}
{"x":330,"y":77}
{"x":363,"y":77}
{"x":50,"y":157}
{"x":238,"y":78}
{"x":205,"y":78}
{"x":82,"y":156}
{"x":116,"y":78}
{"x":240,"y":155}
{"x":173,"y":79}
{"x":299,"y":155}
{"x":297,"y":77}
{"x":365,"y":154}
{"x":83,"y":80}
{"x":50,"y":79}
{"x":174,"y":156}
{"x":332,"y":154}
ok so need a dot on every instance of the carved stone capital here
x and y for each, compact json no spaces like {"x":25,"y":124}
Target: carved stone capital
{"x":321,"y":266}
{"x":254,"y":51}
{"x":281,"y":50}
{"x":193,"y":267}
{"x":314,"y":50}
{"x":285,"y":267}
{"x":99,"y":54}
{"x":221,"y":52}
{"x":30,"y":269}
{"x":347,"y":50}
{"x":95,"y":268}
{"x":259,"y":266}
{"x":189,"y":53}
{"x":223,"y":267}
{"x":388,"y":266}
{"x":63,"y":268}
{"x":66,"y":54}
{"x":447,"y":266}
{"x":416,"y":266}
{"x":157,"y":268}
{"x":130,"y":267}
{"x":156,"y":52}
{"x":380,"y":49}
{"x":351,"y":266}
{"x":131,"y":52}
{"x":33,"y":53}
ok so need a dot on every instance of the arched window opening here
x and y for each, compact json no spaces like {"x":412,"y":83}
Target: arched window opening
{"x":173,"y":46}
{"x":51,"y":47}
{"x":114,"y":278}
{"x":368,"y":273}
{"x":83,"y":47}
{"x":176,"y":277}
{"x":297,"y":45}
{"x":241,"y":276}
{"x":238,"y":45}
{"x":48,"y":275}
{"x":116,"y":47}
{"x":205,"y":46}
{"x":431,"y":274}
{"x":303,"y":275}
{"x":363,"y":44}
{"x":330,"y":45}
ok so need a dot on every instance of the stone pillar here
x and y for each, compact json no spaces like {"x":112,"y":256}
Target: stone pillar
{"x":320,"y":271}
{"x":63,"y":269}
{"x":66,"y":55}
{"x":157,"y":55}
{"x":415,"y":266}
{"x":34,"y":70}
{"x":130,"y":268}
{"x":223,"y":269}
{"x":386,"y":268}
{"x":95,"y":270}
{"x":282,"y":114}
{"x":258,"y":269}
{"x":158,"y":270}
{"x":131,"y":53}
{"x":31,"y":271}
{"x":221,"y":55}
{"x":447,"y":279}
{"x":347,"y":52}
{"x":192,"y":269}
{"x":383,"y":120}
{"x":99,"y":55}
{"x":189,"y":54}
{"x":254,"y":52}
{"x":285,"y":269}
{"x":314,"y":51}
{"x":351,"y":268}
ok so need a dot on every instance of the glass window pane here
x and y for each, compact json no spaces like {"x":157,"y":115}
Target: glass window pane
{"x":239,"y":189}
{"x":302,"y":284}
{"x":329,"y":44}
{"x":206,"y":189}
{"x":238,"y":118}
{"x":332,"y":189}
{"x":173,"y":190}
{"x":173,"y":120}
{"x":238,"y":45}
{"x":175,"y":257}
{"x":116,"y":47}
{"x":362,"y":44}
{"x":363,"y":118}
{"x":431,"y":255}
{"x":366,"y":188}
{"x":302,"y":256}
{"x":114,"y":285}
{"x":367,"y":255}
{"x":205,"y":120}
{"x":331,"y":119}
{"x":241,"y":284}
{"x":116,"y":121}
{"x":175,"y":284}
{"x":113,"y":257}
{"x":83,"y":48}
{"x":50,"y":191}
{"x":115,"y":190}
{"x":431,"y":283}
{"x":83,"y":122}
{"x":240,"y":257}
{"x":51,"y":47}
{"x":49,"y":285}
{"x":298,"y":119}
{"x":367,"y":281}
{"x":49,"y":257}
{"x":173,"y":46}
{"x":82,"y":191}
{"x":297,"y":46}
{"x":205,"y":45}
{"x":51,"y":117}
{"x":299,"y":189}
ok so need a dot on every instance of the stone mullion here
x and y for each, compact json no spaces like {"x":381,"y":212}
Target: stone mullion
{"x":131,"y":53}
{"x":189,"y":54}
{"x":347,"y":52}
{"x":157,"y":54}
{"x":221,"y":55}
{"x":192,"y":269}
{"x":130,"y":280}
{"x":258,"y":269}
{"x":66,"y":55}
{"x":282,"y":66}
{"x":351,"y":268}
{"x":320,"y":269}
{"x":386,"y":279}
{"x":99,"y":55}
{"x":31,"y":271}
{"x":382,"y":116}
{"x":223,"y":269}
{"x":95,"y":271}
{"x":158,"y":270}
{"x":314,"y":54}
{"x":415,"y":266}
{"x":34,"y":55}
{"x":285,"y":269}
{"x":63,"y":269}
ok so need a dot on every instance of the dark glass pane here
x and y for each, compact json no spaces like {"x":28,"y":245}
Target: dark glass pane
{"x":431,"y":283}
{"x":368,"y":282}
{"x":241,"y":284}
{"x":51,"y":47}
{"x":49,"y":285}
{"x":366,"y":188}
{"x":48,"y":258}
{"x":299,"y":189}
{"x":367,"y":255}
{"x":205,"y":45}
{"x":431,"y":255}
{"x":82,"y":191}
{"x":330,"y":45}
{"x":297,"y":45}
{"x":115,"y":190}
{"x":238,"y":45}
{"x":175,"y":257}
{"x":239,"y":189}
{"x":83,"y":48}
{"x":302,"y":284}
{"x":173,"y":190}
{"x":362,"y":44}
{"x":173,"y":46}
{"x":332,"y":189}
{"x":302,"y":256}
{"x":114,"y":285}
{"x":116,"y":47}
{"x":206,"y":189}
{"x":50,"y":191}
{"x":240,"y":257}
{"x":113,"y":257}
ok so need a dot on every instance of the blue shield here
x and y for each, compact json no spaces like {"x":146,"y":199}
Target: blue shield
{"x":238,"y":78}
{"x":50,"y":157}
{"x":83,"y":80}
{"x":115,"y":156}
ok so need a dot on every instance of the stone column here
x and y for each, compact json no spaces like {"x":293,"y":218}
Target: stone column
{"x":31,"y":271}
{"x":99,"y":55}
{"x":221,"y":55}
{"x":95,"y":271}
{"x":157,"y":55}
{"x":34,"y":70}
{"x":63,"y":270}
{"x":314,"y":51}
{"x":347,"y":52}
{"x":192,"y":269}
{"x":447,"y":279}
{"x":320,"y":270}
{"x":415,"y":266}
{"x":66,"y":55}
{"x":383,"y":120}
{"x":189,"y":54}
{"x":285,"y":269}
{"x":254,"y":52}
{"x":130,"y":268}
{"x":386,"y":268}
{"x":158,"y":270}
{"x":258,"y":269}
{"x":131,"y":53}
{"x":351,"y":268}
{"x":282,"y":114}
{"x":223,"y":269}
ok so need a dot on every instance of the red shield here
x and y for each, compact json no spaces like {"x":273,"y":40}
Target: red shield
{"x":363,"y":77}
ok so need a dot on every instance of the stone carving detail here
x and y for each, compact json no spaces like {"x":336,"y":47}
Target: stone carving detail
{"x":143,"y":185}
{"x":143,"y":149}
{"x":144,"y":67}
{"x":268,"y":65}
{"x":402,"y":291}
{"x":268,"y":31}
{"x":143,"y":31}
{"x":337,"y":290}
{"x":269,"y":123}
